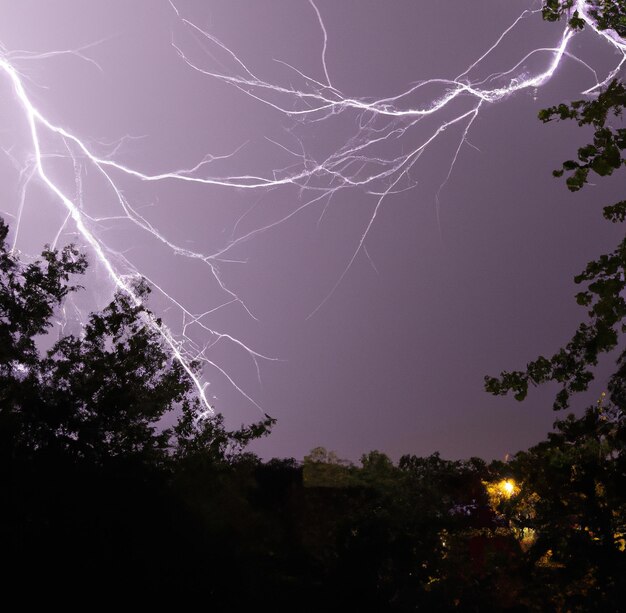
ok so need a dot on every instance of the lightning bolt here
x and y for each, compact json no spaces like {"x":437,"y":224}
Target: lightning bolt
{"x":361,"y":163}
{"x":349,"y":166}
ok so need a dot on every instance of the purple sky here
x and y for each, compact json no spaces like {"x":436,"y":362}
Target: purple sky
{"x":395,"y":358}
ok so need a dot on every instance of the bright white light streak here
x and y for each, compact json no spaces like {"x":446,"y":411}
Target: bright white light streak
{"x":354,"y":165}
{"x":34,"y":118}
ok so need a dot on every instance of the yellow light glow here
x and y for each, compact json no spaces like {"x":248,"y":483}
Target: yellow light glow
{"x":508,"y":487}
{"x":499,"y":491}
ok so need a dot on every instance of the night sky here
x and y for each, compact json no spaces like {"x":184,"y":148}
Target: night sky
{"x":458,"y":277}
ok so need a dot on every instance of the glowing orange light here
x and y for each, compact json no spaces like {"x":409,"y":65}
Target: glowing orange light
{"x":501,"y":490}
{"x":508,"y":487}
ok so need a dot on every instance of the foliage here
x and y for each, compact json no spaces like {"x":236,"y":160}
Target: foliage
{"x":323,"y":468}
{"x":604,"y":278}
{"x":101,"y":395}
{"x":87,"y":469}
{"x":554,"y":10}
{"x":543,"y":531}
{"x":28,"y":297}
{"x":573,"y":502}
{"x":572,"y":365}
{"x":607,"y":14}
{"x":603,"y":156}
{"x":98,"y":496}
{"x":570,"y":511}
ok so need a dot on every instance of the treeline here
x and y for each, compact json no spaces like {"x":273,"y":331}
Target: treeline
{"x":100,"y":501}
{"x":541,"y":532}
{"x":545,"y":531}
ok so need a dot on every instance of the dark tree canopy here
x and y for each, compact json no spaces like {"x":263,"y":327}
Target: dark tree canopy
{"x":607,"y":14}
{"x":99,"y":500}
{"x":99,"y":395}
{"x":572,"y":506}
{"x":87,"y":468}
{"x":604,"y":279}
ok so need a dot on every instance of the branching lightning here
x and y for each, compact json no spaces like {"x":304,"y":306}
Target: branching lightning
{"x":361,"y":163}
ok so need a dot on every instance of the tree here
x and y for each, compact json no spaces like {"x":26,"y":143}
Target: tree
{"x":607,"y":14}
{"x":604,"y":279}
{"x":102,"y":395}
{"x":95,"y":491}
{"x":28,"y":297}
{"x":323,"y":468}
{"x":571,"y":499}
{"x":573,"y":504}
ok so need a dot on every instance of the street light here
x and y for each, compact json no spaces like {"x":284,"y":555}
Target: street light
{"x":508,"y":488}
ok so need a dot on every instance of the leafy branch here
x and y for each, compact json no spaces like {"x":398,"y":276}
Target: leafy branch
{"x":604,"y":279}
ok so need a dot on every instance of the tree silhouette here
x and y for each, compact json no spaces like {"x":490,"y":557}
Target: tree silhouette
{"x":572,"y":506}
{"x":604,"y":279}
{"x":608,"y":14}
{"x":572,"y":485}
{"x":95,"y":490}
{"x":100,"y":395}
